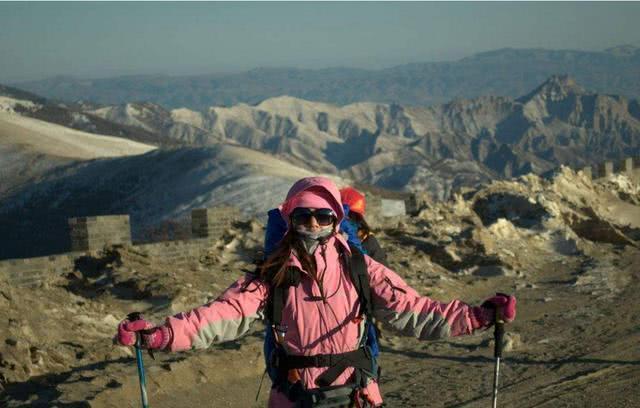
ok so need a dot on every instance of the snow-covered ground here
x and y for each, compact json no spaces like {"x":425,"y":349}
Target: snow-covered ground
{"x":8,"y":104}
{"x":55,"y":140}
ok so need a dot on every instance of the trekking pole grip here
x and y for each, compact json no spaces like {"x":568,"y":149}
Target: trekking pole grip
{"x":498,"y":334}
{"x":141,"y":376}
{"x":133,"y":316}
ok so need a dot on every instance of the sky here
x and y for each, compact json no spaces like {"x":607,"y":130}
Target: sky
{"x":92,"y":40}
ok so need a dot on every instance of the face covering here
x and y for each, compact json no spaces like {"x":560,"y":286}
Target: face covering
{"x":311,"y":239}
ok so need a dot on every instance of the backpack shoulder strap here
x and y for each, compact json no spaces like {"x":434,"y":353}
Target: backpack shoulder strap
{"x":278,"y":296}
{"x":360,"y":278}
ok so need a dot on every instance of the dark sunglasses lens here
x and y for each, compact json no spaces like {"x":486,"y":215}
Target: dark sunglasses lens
{"x":301,"y":217}
{"x":324,"y":217}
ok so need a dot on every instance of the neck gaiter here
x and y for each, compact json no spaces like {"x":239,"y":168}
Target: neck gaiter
{"x":311,"y":239}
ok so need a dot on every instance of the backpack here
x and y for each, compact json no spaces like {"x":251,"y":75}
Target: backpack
{"x":363,"y":359}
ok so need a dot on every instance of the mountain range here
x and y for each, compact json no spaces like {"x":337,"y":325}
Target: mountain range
{"x":247,"y":155}
{"x":398,"y":147}
{"x":503,"y":72}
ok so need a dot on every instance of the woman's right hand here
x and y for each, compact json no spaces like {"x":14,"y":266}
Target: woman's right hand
{"x":153,"y":337}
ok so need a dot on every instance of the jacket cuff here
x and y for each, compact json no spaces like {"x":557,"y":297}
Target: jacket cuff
{"x":167,"y":337}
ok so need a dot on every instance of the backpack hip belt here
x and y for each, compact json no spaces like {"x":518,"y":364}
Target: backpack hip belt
{"x":360,"y":359}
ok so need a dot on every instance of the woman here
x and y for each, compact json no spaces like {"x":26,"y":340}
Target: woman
{"x":357,"y":206}
{"x":321,"y":321}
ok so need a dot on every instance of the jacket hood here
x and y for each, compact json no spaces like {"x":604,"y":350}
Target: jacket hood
{"x":321,"y":187}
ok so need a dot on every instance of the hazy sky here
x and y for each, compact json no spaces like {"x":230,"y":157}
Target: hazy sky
{"x":105,"y":39}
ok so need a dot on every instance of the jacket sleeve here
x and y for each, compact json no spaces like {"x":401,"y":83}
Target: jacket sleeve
{"x":224,"y":319}
{"x":401,"y":307}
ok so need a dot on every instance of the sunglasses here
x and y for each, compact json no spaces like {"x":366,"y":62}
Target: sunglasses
{"x":324,"y":216}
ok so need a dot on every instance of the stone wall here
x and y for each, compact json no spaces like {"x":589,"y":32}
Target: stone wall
{"x":609,"y":168}
{"x":184,"y":253}
{"x":210,"y":222}
{"x":34,"y":272}
{"x":392,"y":208}
{"x":91,"y":234}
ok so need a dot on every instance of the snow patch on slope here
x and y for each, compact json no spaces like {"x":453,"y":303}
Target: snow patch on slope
{"x":9,"y":104}
{"x":51,"y":139}
{"x":187,"y":116}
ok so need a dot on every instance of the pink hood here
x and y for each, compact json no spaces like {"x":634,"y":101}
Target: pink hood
{"x":322,"y":187}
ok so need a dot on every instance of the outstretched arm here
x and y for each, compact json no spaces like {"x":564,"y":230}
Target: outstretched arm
{"x":410,"y":314}
{"x":224,"y":319}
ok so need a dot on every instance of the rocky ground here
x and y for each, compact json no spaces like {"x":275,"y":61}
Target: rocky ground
{"x":566,"y":247}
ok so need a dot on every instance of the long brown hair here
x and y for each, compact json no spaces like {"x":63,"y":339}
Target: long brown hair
{"x":361,"y":222}
{"x":274,"y":269}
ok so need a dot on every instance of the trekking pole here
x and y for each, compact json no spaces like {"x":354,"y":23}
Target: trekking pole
{"x":498,"y":336}
{"x":141,"y":377}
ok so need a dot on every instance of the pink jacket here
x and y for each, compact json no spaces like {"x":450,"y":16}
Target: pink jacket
{"x":315,"y":327}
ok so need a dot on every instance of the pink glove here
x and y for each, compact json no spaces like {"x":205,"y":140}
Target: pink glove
{"x":485,"y":315}
{"x":153,"y":337}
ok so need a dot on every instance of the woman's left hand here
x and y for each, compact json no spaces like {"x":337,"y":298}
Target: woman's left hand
{"x":504,"y":304}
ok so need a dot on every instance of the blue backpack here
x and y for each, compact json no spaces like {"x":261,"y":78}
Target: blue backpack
{"x":365,"y":358}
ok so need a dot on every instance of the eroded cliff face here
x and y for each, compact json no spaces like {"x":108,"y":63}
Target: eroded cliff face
{"x":404,"y":147}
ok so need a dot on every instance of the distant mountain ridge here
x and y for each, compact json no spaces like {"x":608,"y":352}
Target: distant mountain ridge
{"x":72,"y":115}
{"x":504,"y":72}
{"x":434,"y":148}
